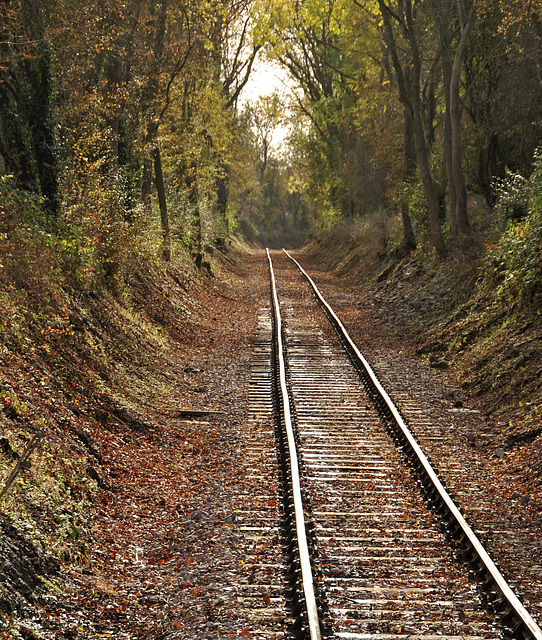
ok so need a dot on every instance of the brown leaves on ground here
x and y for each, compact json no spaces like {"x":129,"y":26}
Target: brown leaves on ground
{"x":159,"y":434}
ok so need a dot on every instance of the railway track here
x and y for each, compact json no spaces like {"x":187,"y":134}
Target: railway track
{"x":369,"y":554}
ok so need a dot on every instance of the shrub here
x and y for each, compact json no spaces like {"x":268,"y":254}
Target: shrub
{"x":38,"y":253}
{"x":512,"y":196}
{"x":516,"y":261}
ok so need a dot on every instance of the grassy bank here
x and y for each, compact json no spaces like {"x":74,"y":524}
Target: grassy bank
{"x":90,"y":344}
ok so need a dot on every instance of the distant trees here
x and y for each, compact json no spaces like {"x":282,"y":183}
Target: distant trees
{"x":305,"y":40}
{"x":415,"y":92}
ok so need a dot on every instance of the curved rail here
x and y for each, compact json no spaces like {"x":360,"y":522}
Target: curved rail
{"x":509,"y":604}
{"x":307,"y":577}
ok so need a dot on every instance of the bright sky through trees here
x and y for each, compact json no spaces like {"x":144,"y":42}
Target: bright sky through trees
{"x":266,"y":79}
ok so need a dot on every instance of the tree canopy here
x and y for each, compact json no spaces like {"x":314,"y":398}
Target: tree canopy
{"x":126,"y":117}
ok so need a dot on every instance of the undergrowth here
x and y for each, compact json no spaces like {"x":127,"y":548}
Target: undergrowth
{"x":87,"y":316}
{"x":514,"y":263}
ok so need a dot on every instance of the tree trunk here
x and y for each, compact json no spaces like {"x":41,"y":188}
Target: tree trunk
{"x":148,"y":95}
{"x":196,"y":243}
{"x":146,"y":182}
{"x":447,"y":64}
{"x":42,"y":127}
{"x":419,"y":139}
{"x":409,"y":240}
{"x":222,"y":195}
{"x":428,"y":188}
{"x":431,"y":104}
{"x":164,"y":217}
{"x":461,"y":217}
{"x":409,"y":95}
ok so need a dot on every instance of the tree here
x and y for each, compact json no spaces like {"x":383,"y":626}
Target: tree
{"x":459,"y":218}
{"x":170,"y":42}
{"x":237,"y":54}
{"x":28,"y":131}
{"x":408,"y":77}
{"x":266,"y":116}
{"x":305,"y":40}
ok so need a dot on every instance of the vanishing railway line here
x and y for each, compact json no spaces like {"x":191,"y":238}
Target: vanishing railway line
{"x":367,"y":556}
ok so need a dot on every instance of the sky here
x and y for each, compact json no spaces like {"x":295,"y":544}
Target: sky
{"x":264,"y":80}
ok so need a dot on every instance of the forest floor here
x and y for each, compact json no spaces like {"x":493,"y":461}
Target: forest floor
{"x":124,"y":526}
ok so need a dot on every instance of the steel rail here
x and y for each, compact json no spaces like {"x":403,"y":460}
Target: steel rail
{"x":513,"y":608}
{"x":307,"y":577}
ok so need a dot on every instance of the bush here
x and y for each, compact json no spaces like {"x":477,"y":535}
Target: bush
{"x":38,"y":253}
{"x":516,"y":261}
{"x":512,"y":196}
{"x":25,"y":239}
